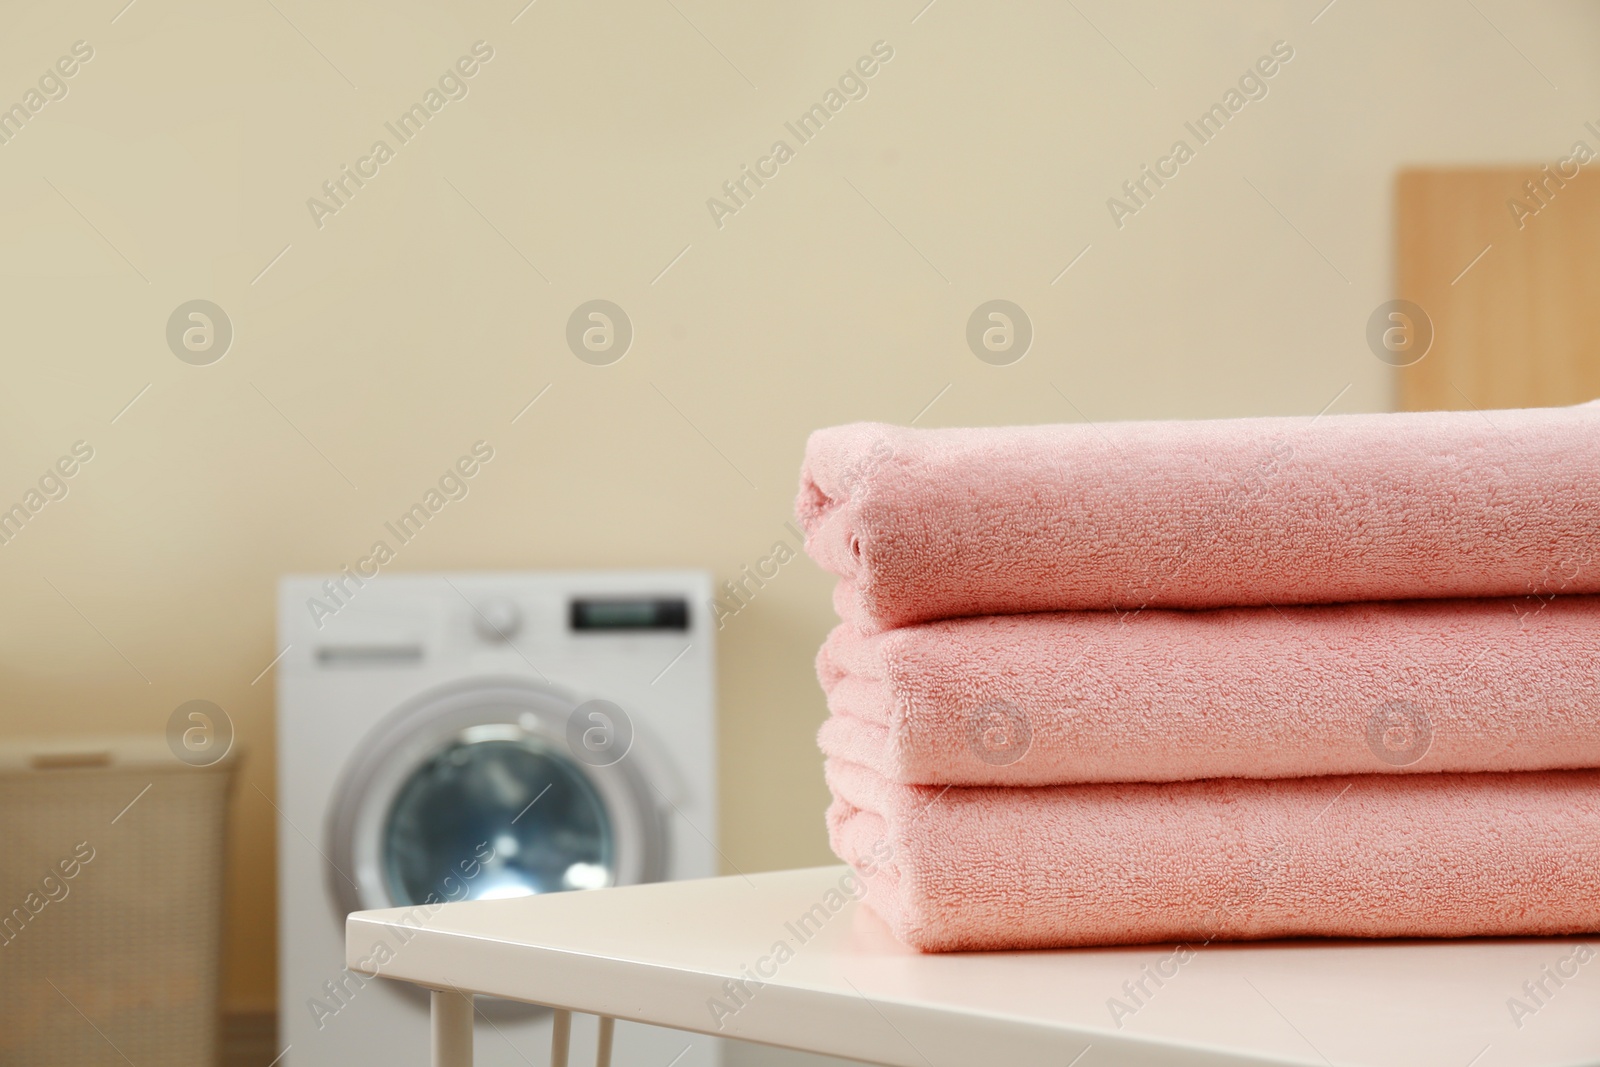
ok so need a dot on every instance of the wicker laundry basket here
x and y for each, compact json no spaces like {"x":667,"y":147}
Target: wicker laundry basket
{"x":111,"y":857}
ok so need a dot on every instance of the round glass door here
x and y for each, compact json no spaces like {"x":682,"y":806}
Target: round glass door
{"x":491,"y":816}
{"x":469,"y":792}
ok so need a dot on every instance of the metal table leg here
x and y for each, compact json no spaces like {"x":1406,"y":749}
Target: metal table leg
{"x":452,"y":1033}
{"x":452,"y":1029}
{"x":560,"y":1038}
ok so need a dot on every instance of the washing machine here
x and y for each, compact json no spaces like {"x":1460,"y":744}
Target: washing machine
{"x":449,"y":737}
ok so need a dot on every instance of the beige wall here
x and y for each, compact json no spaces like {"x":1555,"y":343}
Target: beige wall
{"x":412,"y":323}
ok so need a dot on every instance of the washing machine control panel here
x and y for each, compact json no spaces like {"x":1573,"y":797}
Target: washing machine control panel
{"x":628,"y":613}
{"x":497,"y":619}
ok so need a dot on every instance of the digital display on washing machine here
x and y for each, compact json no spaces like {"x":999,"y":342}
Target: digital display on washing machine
{"x":630,"y":613}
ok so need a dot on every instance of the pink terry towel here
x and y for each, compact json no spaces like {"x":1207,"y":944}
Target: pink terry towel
{"x":1023,"y":700}
{"x":1428,"y":855}
{"x":930,"y":524}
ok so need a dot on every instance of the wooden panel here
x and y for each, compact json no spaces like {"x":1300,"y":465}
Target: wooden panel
{"x":1521,"y":326}
{"x":249,"y":1039}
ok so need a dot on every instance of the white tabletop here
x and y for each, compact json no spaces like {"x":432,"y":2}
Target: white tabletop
{"x":663,"y":954}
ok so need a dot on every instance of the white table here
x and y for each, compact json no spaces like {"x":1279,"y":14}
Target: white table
{"x":668,"y":954}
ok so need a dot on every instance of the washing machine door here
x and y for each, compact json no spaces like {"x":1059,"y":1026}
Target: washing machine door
{"x":475,"y":792}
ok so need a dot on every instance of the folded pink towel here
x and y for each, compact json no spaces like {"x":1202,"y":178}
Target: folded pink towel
{"x":1429,"y":855}
{"x":1154,"y":696}
{"x":930,"y":524}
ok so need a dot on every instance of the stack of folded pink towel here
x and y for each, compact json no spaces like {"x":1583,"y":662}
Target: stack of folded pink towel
{"x":1181,"y":681}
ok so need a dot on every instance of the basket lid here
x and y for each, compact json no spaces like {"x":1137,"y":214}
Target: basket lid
{"x":104,"y":752}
